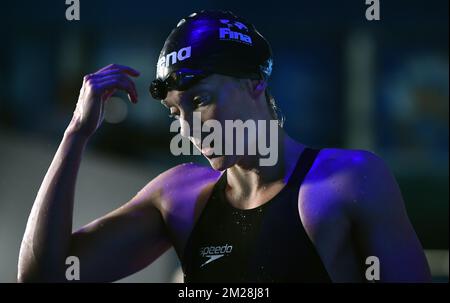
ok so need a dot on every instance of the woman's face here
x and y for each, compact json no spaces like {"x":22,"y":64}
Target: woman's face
{"x":214,"y":100}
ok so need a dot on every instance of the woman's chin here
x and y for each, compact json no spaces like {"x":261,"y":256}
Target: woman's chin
{"x":221,"y":163}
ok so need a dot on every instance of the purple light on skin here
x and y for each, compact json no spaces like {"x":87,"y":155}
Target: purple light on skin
{"x":357,"y":157}
{"x":334,"y":170}
{"x":336,"y":163}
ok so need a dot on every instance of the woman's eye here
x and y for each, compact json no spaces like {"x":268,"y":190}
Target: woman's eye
{"x":201,"y":100}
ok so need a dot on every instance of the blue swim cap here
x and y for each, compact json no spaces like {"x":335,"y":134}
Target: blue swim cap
{"x":210,"y":42}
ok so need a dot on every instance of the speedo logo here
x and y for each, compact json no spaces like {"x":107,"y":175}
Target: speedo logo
{"x":174,"y":57}
{"x":226,"y":33}
{"x":215,"y":252}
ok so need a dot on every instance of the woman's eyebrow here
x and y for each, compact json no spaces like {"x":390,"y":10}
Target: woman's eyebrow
{"x":192,"y":90}
{"x":199,"y":86}
{"x":204,"y":82}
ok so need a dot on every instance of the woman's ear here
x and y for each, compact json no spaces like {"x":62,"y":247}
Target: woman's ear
{"x":256,"y":88}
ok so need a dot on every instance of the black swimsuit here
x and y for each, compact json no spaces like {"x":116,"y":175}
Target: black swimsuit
{"x":264,"y":244}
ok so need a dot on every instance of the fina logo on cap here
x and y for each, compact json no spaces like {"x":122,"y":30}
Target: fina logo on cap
{"x":236,"y":24}
{"x":227,"y":33}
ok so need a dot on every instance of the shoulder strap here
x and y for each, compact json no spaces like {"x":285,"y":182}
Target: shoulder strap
{"x":303,"y":165}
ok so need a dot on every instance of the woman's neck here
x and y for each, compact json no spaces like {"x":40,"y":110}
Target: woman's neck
{"x":250,"y":185}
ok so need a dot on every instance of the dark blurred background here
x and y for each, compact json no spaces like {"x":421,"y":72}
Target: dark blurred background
{"x":341,"y":81}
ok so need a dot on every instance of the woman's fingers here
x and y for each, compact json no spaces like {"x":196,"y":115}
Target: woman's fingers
{"x":122,"y":83}
{"x":122,"y":68}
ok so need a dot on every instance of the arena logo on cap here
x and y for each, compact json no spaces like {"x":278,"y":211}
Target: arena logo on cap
{"x":174,"y":57}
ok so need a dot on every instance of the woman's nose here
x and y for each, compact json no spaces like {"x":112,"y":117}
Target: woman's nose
{"x":185,"y":127}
